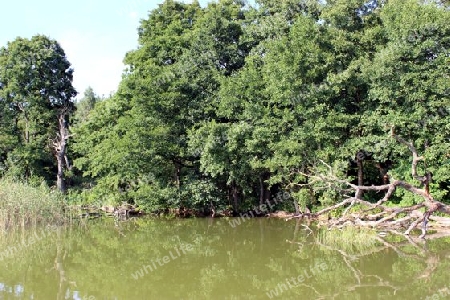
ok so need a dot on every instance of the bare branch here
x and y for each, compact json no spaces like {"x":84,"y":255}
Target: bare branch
{"x":389,"y":218}
{"x":416,"y":157}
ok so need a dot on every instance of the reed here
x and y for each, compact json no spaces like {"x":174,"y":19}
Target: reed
{"x":22,"y":205}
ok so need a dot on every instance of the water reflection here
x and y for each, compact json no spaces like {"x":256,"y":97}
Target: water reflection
{"x":18,"y":292}
{"x":259,"y":259}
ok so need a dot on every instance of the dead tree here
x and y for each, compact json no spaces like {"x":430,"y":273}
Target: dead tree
{"x":59,"y":144}
{"x":378,"y":215}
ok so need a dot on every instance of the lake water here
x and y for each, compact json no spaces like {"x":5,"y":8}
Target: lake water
{"x":213,"y":259}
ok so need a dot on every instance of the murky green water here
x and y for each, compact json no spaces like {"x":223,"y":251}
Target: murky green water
{"x":209,"y":259}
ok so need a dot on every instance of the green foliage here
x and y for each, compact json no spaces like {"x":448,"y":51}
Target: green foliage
{"x":35,"y":89}
{"x":227,"y":105}
{"x":84,"y":106}
{"x":236,"y":112}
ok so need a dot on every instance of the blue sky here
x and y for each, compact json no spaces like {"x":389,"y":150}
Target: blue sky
{"x":95,"y":34}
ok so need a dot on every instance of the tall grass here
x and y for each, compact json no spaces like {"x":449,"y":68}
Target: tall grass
{"x":23,"y":205}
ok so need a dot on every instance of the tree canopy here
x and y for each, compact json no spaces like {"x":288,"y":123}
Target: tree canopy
{"x":36,"y":98}
{"x":225,"y":106}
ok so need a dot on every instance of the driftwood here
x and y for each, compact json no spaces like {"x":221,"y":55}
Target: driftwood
{"x":123,"y":211}
{"x":378,"y":215}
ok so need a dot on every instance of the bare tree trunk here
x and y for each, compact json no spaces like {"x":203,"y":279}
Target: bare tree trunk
{"x":60,"y":180}
{"x":60,"y":147}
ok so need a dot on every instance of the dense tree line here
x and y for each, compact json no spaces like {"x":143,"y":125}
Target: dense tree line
{"x":226,"y":106}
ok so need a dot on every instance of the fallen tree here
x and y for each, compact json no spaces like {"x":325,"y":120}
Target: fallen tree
{"x":379,"y":215}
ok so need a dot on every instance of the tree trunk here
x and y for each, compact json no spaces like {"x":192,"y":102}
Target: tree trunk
{"x":67,"y":162}
{"x":234,"y":192}
{"x":360,"y":163}
{"x":296,"y":206}
{"x":60,"y":145}
{"x":177,"y":173}
{"x":264,"y":191}
{"x":27,"y":129}
{"x":261,"y":190}
{"x":27,"y":123}
{"x":60,"y":180}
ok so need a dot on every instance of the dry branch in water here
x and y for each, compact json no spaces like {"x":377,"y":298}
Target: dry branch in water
{"x":389,"y":217}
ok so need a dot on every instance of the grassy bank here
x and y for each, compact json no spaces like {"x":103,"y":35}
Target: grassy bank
{"x":23,"y":205}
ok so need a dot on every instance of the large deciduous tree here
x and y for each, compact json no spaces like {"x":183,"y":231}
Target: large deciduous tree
{"x":229,"y":104}
{"x":36,"y":94}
